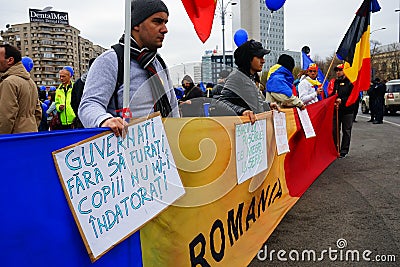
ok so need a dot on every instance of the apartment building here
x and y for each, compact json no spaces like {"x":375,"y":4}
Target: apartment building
{"x":385,"y":62}
{"x":52,"y":44}
{"x":212,"y":64}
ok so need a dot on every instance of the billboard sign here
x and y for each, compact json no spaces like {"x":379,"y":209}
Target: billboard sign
{"x":37,"y":15}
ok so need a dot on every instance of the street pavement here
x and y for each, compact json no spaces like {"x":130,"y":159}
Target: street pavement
{"x":352,"y":209}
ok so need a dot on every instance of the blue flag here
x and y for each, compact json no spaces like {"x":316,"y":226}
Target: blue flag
{"x":375,"y":7}
{"x":202,"y":87}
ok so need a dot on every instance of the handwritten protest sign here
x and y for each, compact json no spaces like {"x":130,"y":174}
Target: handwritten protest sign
{"x":251,"y":149}
{"x":306,"y":123}
{"x":114,"y":185}
{"x":282,"y":144}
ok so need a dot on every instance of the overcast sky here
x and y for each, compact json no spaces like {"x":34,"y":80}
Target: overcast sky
{"x":320,"y":24}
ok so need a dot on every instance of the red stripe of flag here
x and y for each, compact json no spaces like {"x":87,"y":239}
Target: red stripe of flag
{"x":201,"y":13}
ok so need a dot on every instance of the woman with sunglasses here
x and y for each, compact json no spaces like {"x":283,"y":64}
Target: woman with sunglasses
{"x":310,"y":89}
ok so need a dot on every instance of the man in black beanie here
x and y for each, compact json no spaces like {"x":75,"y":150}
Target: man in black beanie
{"x":286,"y":61}
{"x":150,"y":89}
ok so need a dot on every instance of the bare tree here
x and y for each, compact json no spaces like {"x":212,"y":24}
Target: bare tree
{"x":374,"y":50}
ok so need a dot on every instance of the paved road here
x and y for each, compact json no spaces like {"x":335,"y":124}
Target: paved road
{"x":353,"y":207}
{"x":395,"y":118}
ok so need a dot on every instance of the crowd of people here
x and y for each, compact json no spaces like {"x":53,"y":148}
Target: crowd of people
{"x":28,"y":108}
{"x":96,"y":98}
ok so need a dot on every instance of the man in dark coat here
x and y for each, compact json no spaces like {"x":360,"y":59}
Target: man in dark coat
{"x":76,"y":95}
{"x":380,"y":90}
{"x":343,"y":87}
{"x":190,"y":90}
{"x":372,"y":101}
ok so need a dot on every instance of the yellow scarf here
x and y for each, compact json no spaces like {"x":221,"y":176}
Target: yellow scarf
{"x":313,"y":82}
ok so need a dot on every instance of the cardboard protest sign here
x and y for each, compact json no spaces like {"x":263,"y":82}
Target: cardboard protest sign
{"x":115,"y":185}
{"x":251,"y":149}
{"x":306,"y":123}
{"x":282,"y":143}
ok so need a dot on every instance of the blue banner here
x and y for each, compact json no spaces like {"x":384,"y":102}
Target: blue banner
{"x":38,"y":226}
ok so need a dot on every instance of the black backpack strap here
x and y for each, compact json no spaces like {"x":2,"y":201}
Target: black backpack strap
{"x":119,"y":50}
{"x":162,"y":62}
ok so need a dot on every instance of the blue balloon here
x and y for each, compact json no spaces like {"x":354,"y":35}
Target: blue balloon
{"x":28,"y":63}
{"x":53,"y":88}
{"x":240,"y":37}
{"x":42,"y":88}
{"x":70,"y":69}
{"x":274,"y":5}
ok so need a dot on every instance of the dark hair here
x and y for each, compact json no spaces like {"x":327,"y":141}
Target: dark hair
{"x":12,"y":51}
{"x":91,"y":62}
{"x":286,"y":61}
{"x":52,"y":94}
{"x":42,"y":95}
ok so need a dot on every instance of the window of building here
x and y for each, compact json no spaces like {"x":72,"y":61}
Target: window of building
{"x":48,"y":55}
{"x":384,"y":66}
{"x":394,"y":66}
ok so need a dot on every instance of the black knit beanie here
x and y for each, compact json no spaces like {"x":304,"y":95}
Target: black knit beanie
{"x":142,"y":9}
{"x":286,"y":61}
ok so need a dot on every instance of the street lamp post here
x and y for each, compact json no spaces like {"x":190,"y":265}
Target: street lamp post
{"x":375,"y":43}
{"x":222,"y":9}
{"x":398,"y":10}
{"x":383,"y":28}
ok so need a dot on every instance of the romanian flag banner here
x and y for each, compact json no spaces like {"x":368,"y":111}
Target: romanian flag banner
{"x":201,"y":13}
{"x":355,"y":50}
{"x":218,"y":222}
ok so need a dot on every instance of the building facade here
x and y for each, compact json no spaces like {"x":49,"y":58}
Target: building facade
{"x":385,"y":62}
{"x":261,"y":25}
{"x":212,"y":65}
{"x":265,"y":26}
{"x":51,"y":46}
